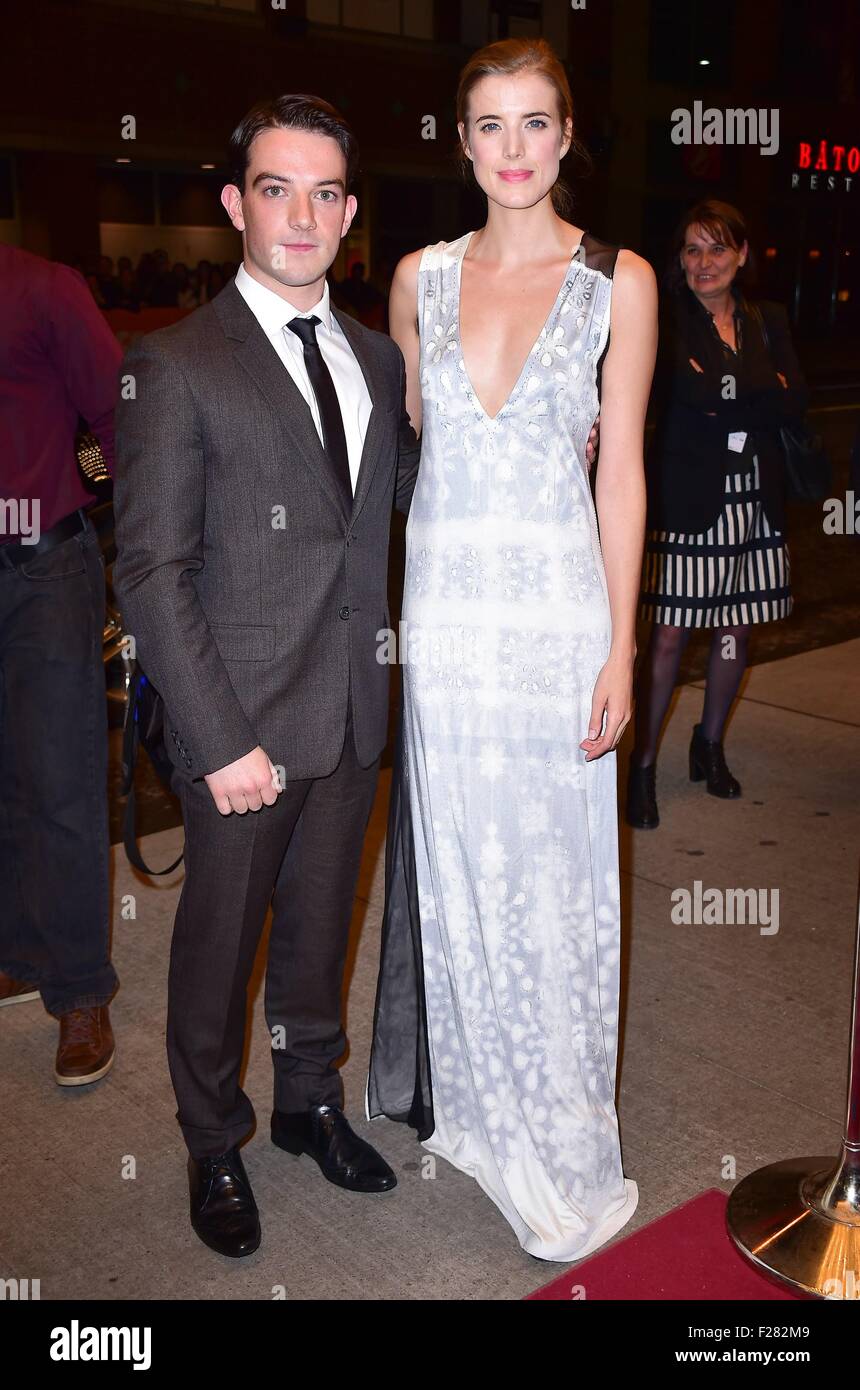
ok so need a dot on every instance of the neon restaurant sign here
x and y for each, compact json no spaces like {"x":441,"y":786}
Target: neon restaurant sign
{"x":825,"y":166}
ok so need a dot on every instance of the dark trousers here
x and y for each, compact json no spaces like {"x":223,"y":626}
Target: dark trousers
{"x":53,"y":775}
{"x":303,"y":856}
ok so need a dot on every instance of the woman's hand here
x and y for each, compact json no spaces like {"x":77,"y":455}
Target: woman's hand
{"x":592,"y":443}
{"x":613,"y":695}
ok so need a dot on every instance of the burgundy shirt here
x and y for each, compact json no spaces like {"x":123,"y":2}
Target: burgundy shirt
{"x":58,"y":360}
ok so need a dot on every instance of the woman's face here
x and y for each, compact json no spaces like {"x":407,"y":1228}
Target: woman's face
{"x":710,"y":265}
{"x":514,"y":138}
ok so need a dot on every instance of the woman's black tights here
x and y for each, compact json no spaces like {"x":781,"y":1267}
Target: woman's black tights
{"x":659,"y":671}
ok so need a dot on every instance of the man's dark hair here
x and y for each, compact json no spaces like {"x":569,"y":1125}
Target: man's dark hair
{"x":294,"y":112}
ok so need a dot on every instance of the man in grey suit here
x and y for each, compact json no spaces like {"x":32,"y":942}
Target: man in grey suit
{"x":258,"y":462}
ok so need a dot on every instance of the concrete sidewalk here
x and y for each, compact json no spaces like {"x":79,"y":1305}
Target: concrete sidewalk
{"x":734,"y":1046}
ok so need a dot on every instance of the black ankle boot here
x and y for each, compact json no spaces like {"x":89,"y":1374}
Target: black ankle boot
{"x":707,"y":760}
{"x":642,"y":811}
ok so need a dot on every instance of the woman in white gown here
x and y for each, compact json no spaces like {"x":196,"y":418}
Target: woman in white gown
{"x":497,"y":1012}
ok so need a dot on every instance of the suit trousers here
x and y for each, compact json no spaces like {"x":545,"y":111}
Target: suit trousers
{"x":302,"y":855}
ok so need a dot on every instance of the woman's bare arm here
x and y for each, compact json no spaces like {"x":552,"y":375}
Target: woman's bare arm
{"x":620,"y":488}
{"x":403,"y":324}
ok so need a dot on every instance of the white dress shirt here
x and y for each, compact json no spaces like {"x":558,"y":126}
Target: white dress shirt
{"x":273,"y":313}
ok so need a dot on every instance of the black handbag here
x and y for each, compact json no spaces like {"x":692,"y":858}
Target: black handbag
{"x":808,"y":470}
{"x":144,"y":726}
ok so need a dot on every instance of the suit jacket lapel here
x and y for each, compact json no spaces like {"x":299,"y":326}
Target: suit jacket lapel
{"x":375,"y":380}
{"x":268,"y":373}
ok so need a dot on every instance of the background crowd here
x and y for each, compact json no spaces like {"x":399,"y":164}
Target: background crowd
{"x":155,"y":283}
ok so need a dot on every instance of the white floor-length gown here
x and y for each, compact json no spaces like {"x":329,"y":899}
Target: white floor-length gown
{"x":507,"y":625}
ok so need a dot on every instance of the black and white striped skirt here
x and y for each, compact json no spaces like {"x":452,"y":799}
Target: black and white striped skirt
{"x":736,"y":572}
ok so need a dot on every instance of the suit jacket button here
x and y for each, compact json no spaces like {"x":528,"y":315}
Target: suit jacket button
{"x":344,"y":612}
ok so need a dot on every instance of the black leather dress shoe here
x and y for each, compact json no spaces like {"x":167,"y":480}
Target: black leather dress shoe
{"x":323,"y":1131}
{"x":707,"y":761}
{"x":223,"y":1211}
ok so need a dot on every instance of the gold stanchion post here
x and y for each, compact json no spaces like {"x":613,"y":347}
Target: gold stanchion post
{"x":799,"y":1220}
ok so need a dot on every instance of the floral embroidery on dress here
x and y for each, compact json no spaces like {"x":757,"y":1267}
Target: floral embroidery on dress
{"x":507,"y":614}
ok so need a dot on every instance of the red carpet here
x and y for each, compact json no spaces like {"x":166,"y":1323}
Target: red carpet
{"x":687,"y":1254}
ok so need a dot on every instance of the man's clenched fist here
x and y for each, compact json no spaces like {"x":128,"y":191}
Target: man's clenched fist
{"x":245,"y":785}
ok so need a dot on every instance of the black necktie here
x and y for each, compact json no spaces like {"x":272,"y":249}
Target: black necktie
{"x":334,"y":439}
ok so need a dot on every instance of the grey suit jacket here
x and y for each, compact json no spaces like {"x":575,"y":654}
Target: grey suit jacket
{"x":249,"y":591}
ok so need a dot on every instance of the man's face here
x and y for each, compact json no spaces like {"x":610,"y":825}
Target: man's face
{"x":294,"y":210}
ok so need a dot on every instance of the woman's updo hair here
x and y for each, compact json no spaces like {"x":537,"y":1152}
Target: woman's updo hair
{"x":507,"y":58}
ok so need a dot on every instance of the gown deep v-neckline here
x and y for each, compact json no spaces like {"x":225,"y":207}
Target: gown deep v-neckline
{"x":514,"y":391}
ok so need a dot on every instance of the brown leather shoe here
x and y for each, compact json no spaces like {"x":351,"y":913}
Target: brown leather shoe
{"x":15,"y":991}
{"x":86,"y":1049}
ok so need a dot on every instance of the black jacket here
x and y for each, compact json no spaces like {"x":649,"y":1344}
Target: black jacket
{"x":688,"y":457}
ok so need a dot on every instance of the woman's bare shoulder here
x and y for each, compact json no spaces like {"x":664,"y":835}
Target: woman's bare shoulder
{"x":408,"y":266}
{"x":404,"y":283}
{"x":634,"y":273}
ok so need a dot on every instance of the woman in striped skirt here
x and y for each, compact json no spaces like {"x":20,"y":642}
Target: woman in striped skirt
{"x":715,"y":548}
